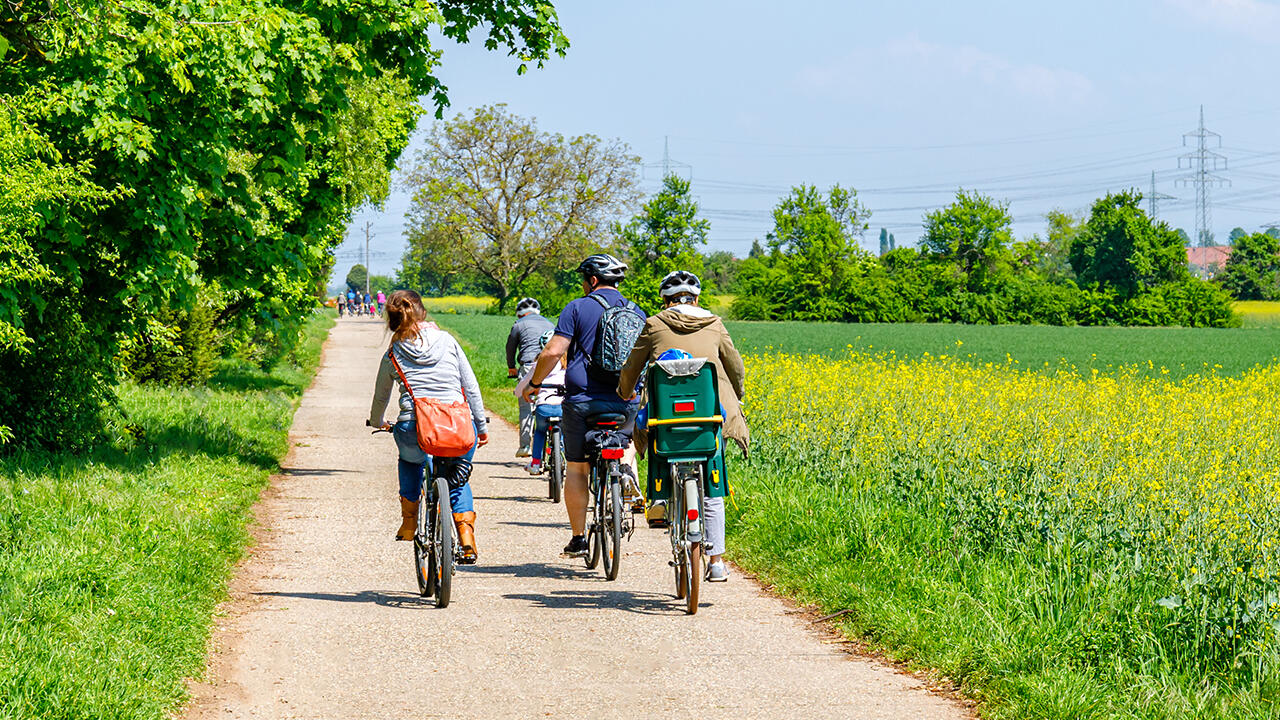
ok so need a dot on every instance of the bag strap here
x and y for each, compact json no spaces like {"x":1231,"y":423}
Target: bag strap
{"x":603,"y":303}
{"x":391,"y":353}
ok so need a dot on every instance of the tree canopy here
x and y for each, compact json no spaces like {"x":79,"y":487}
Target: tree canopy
{"x":1252,"y":271}
{"x":665,"y":236}
{"x":1121,"y":248}
{"x":208,"y":150}
{"x":509,"y":200}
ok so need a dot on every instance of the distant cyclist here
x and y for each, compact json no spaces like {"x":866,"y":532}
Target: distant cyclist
{"x":342,"y":304}
{"x":546,"y":405}
{"x":588,"y":390}
{"x":382,"y":301}
{"x":683,"y":325}
{"x":523,"y":346}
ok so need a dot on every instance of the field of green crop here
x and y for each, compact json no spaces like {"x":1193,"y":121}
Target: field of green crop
{"x":1091,"y":538}
{"x":111,"y":564}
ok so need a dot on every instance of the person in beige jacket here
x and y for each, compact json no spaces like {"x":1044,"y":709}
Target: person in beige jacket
{"x":684,"y":325}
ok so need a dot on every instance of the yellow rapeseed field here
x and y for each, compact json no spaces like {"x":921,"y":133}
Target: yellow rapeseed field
{"x":1163,"y":491}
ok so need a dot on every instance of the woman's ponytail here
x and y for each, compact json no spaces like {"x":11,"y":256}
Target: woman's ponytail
{"x":405,"y":314}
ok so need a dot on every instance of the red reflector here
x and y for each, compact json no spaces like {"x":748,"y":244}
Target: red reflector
{"x":607,"y":424}
{"x":611,"y":453}
{"x":693,"y":514}
{"x":684,"y":406}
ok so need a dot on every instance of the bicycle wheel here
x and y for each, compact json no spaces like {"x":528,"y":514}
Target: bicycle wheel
{"x":555,"y":473}
{"x":442,"y":532}
{"x":596,"y":522}
{"x":611,"y":531}
{"x":423,"y":559}
{"x":693,"y":578}
{"x":679,"y":529}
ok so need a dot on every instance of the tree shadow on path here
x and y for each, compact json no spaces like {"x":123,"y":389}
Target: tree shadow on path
{"x":640,"y":603}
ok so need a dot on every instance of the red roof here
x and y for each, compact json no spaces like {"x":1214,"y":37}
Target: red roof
{"x":1205,"y":256}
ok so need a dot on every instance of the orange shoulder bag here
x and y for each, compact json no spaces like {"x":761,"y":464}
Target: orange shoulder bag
{"x":444,"y":428}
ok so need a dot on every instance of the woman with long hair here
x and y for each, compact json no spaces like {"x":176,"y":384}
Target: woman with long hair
{"x":434,"y":366}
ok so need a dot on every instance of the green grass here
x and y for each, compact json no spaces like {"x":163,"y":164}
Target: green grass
{"x":917,"y":590}
{"x":112,"y":563}
{"x":484,"y":338}
{"x":1182,"y":351}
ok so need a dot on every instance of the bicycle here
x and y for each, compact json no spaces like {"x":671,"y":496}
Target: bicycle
{"x":435,"y":543}
{"x":554,"y":453}
{"x":685,"y":449}
{"x":608,"y":523}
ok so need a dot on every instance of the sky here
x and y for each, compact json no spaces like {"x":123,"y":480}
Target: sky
{"x":1041,"y":105}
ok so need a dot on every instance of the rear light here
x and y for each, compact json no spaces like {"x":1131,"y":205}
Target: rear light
{"x":684,"y":407}
{"x":693,"y":514}
{"x":611,"y":453}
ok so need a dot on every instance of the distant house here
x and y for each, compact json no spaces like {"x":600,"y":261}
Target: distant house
{"x":1206,"y":262}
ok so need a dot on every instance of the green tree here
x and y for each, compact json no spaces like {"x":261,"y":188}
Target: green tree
{"x":1120,"y":248}
{"x":884,"y":241}
{"x":1184,"y":237}
{"x":1061,"y":229}
{"x":1236,"y":234}
{"x":721,"y":271}
{"x":813,"y":255}
{"x":245,"y":130}
{"x":757,"y":250}
{"x":663,"y":238}
{"x":356,"y":277}
{"x":1252,"y":271}
{"x":974,"y":232}
{"x":510,"y":200}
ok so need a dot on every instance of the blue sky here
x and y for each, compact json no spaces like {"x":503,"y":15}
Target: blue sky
{"x":1044,"y":105}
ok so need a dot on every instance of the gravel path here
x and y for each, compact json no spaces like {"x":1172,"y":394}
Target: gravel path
{"x":325,"y":620}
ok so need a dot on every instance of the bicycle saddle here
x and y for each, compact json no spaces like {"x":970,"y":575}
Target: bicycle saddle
{"x":606,"y":419}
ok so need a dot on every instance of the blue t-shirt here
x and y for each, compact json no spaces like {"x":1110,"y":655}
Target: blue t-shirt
{"x":579,"y":322}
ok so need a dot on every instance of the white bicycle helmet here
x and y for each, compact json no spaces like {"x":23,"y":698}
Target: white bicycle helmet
{"x":526,"y":306}
{"x":680,"y":282}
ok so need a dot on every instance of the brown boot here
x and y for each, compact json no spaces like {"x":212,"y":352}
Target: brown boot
{"x":466,"y":523}
{"x":408,"y":521}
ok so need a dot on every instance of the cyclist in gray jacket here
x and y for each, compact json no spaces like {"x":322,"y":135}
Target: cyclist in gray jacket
{"x":435,"y":366}
{"x":524,"y":342}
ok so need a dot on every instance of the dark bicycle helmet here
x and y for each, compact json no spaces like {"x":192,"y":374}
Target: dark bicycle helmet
{"x":606,"y":267}
{"x":527,"y":304}
{"x":680,"y":282}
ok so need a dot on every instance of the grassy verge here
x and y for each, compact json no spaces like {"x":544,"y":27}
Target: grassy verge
{"x":112,"y":563}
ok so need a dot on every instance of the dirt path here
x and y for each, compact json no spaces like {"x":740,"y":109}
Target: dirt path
{"x":325,"y":620}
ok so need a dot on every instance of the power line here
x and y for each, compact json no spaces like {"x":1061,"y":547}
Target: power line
{"x":1155,"y":197}
{"x":1203,"y":163}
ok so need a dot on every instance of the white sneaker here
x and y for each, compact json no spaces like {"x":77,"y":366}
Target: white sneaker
{"x":717,"y":572}
{"x":533,"y":469}
{"x":523,"y":452}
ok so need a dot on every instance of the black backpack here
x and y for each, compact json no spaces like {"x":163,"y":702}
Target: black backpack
{"x":616,"y":334}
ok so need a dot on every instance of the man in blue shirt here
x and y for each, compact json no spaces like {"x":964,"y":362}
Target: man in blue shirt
{"x":588,"y":390}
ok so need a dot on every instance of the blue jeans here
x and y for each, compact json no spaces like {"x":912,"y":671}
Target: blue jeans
{"x":541,"y":414}
{"x":414,"y":464}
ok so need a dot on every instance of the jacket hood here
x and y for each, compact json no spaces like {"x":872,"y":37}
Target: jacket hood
{"x":685,"y":321}
{"x":426,"y":349}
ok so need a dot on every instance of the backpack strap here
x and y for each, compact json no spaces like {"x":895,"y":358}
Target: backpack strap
{"x":603,"y":303}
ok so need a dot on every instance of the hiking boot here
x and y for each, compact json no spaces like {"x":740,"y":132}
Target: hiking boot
{"x":577,"y":547}
{"x":466,"y":524}
{"x":408,"y":519}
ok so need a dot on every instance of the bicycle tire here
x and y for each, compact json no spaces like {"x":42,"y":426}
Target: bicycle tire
{"x":423,"y":560}
{"x":442,"y":529}
{"x":611,"y":532}
{"x":555,"y":476}
{"x":693,"y":579}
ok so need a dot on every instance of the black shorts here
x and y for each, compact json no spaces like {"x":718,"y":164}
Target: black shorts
{"x":573,"y":423}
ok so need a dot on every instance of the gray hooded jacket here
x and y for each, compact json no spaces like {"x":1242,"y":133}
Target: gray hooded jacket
{"x":436,"y":367}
